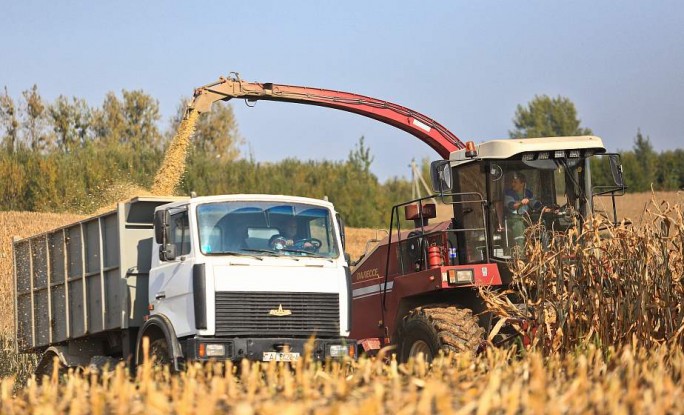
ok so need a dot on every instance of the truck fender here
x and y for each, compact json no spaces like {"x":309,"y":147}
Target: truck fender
{"x":66,"y":359}
{"x":162,"y":323}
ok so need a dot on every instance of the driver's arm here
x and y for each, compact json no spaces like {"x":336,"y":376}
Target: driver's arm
{"x":532,"y":202}
{"x":511,"y":203}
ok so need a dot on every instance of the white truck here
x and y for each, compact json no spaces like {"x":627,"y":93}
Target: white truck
{"x":203,"y":278}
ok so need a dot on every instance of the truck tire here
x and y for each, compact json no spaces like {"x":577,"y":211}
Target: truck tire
{"x":46,"y":366}
{"x":159,"y":350}
{"x":432,"y":328}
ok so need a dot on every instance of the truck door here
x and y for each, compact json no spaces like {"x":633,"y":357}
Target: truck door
{"x":171,"y":281}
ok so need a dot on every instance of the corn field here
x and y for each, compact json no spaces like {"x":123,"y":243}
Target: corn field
{"x":624,"y":381}
{"x":602,"y":307}
{"x":602,"y":284}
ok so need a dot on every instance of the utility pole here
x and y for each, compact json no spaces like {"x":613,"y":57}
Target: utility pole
{"x":416,"y":182}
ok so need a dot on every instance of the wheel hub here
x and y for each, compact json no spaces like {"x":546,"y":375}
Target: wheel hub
{"x":420,"y":346}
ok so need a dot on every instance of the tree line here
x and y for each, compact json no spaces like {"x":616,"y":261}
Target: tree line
{"x":66,"y":155}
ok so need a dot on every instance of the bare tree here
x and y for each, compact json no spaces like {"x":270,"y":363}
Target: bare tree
{"x":9,"y":120}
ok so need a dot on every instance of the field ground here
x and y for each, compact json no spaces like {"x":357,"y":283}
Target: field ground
{"x":627,"y":379}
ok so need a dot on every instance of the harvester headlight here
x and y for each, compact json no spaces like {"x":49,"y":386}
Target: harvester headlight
{"x":559,"y":154}
{"x":544,"y":155}
{"x":574,"y":154}
{"x":528,"y":157}
{"x":460,"y":276}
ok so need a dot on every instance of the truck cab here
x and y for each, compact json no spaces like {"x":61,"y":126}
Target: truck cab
{"x":248,"y":276}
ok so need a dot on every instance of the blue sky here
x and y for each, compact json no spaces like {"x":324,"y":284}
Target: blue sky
{"x":467,"y":64}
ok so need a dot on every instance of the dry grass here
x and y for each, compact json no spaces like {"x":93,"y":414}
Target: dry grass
{"x":633,"y":206}
{"x":362,"y":240}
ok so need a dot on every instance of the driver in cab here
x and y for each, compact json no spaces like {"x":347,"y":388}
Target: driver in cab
{"x":519,"y":201}
{"x":518,"y":198}
{"x":287,"y":236}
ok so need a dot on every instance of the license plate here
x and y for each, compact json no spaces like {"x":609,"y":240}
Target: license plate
{"x":280,"y":356}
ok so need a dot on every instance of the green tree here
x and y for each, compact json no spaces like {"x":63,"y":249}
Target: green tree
{"x":141,"y":115}
{"x":35,"y":121}
{"x":12,"y":181}
{"x":70,"y":121}
{"x":360,"y":156}
{"x":108,"y":122}
{"x":216,"y":132}
{"x":130,"y":122}
{"x":670,"y":171}
{"x":547,"y":117}
{"x":646,"y":159}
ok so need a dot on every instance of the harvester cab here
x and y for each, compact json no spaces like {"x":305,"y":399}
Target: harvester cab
{"x":425,"y":296}
{"x":518,"y":182}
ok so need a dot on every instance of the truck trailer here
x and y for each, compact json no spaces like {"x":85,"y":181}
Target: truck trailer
{"x":202,"y":278}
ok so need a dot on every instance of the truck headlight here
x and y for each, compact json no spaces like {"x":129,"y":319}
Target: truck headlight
{"x":212,"y":350}
{"x":338,"y":350}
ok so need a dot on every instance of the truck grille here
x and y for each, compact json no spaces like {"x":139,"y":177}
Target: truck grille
{"x":252,"y":314}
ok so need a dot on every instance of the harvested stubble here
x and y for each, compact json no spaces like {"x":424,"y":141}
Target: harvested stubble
{"x":629,"y":380}
{"x":633,"y":206}
{"x":360,"y":241}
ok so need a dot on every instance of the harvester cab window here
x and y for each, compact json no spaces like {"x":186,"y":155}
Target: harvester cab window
{"x":546,"y":192}
{"x":468,"y":200}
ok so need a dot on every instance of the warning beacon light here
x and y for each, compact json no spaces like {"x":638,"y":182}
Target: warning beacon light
{"x":470,"y":149}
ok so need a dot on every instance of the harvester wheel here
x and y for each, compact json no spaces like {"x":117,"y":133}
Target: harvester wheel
{"x":432,"y":328}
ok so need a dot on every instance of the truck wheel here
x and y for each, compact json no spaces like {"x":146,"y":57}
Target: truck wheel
{"x":430,"y":329}
{"x":47,"y":365}
{"x":159,"y":350}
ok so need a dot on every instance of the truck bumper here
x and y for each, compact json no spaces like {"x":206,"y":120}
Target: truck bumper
{"x":260,"y":349}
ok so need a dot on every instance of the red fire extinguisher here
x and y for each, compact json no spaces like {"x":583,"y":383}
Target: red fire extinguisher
{"x":434,"y":256}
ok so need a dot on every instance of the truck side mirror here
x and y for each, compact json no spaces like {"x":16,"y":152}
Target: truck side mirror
{"x":616,"y":169}
{"x":167,"y":252}
{"x":340,"y":223}
{"x":440,"y":172}
{"x":161,"y":226}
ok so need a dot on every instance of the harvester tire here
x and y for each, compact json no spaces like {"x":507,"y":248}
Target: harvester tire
{"x":432,"y":328}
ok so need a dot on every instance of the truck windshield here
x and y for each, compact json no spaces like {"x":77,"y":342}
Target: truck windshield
{"x":266,"y":228}
{"x":550,"y":192}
